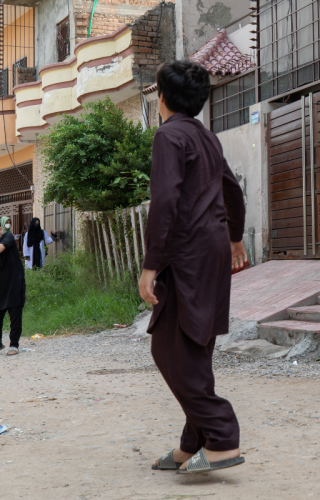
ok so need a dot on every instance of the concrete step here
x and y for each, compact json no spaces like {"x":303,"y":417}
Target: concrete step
{"x":288,"y":332}
{"x":305,"y":313}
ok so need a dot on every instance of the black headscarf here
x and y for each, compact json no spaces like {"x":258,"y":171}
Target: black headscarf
{"x":35,"y":236}
{"x":35,"y":233}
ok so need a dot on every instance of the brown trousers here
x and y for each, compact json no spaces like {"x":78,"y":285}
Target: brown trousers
{"x":187,"y":368}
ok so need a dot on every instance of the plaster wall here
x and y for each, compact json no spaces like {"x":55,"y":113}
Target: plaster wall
{"x":199,"y":20}
{"x":132,"y":109}
{"x":22,"y":155}
{"x":49,"y":14}
{"x":241,"y":39}
{"x":7,"y":122}
{"x":245,"y":149}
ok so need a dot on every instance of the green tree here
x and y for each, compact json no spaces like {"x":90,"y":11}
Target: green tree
{"x":98,"y":161}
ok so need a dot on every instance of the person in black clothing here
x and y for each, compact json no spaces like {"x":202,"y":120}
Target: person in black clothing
{"x":34,"y":244}
{"x":193,"y":240}
{"x":12,"y":289}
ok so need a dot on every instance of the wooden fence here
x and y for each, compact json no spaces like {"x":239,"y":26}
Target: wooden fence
{"x":117,"y":240}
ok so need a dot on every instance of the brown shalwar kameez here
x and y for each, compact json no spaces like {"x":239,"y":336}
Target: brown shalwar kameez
{"x":196,"y":209}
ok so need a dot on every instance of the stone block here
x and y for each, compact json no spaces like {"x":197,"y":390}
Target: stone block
{"x":256,"y":349}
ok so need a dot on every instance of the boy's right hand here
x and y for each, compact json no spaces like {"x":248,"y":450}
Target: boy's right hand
{"x":239,"y":255}
{"x":146,"y":286}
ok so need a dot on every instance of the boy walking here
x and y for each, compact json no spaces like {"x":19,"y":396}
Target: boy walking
{"x":193,"y":239}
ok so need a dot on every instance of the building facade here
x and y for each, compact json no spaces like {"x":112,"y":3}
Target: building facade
{"x":263,"y":61}
{"x":265,"y":112}
{"x":56,"y":56}
{"x":274,"y":148}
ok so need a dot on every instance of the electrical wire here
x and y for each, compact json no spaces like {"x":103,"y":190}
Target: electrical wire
{"x":143,"y":73}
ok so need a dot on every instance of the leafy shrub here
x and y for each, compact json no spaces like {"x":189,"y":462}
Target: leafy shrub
{"x":66,"y":296}
{"x":99,"y":161}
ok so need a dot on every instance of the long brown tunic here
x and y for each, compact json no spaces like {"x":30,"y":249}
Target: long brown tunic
{"x":196,"y":208}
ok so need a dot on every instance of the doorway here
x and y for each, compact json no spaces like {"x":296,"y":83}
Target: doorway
{"x":294,"y":179}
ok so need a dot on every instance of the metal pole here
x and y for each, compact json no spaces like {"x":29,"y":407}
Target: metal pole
{"x":304,"y":194}
{"x":313,"y":218}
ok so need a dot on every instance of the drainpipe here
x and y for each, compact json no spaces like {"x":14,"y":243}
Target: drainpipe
{"x":251,"y":246}
{"x":91,"y":18}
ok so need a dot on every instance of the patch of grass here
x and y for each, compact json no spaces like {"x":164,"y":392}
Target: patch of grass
{"x":66,"y":297}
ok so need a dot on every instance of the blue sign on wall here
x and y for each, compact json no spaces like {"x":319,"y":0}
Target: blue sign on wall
{"x":255,"y":117}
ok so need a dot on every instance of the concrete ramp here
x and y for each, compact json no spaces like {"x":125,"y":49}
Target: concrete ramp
{"x":267,"y":290}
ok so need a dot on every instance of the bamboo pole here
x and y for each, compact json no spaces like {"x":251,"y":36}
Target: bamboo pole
{"x":139,"y":210}
{"x":107,"y":247}
{"x":135,"y":238}
{"x":95,"y":246}
{"x":101,"y":253}
{"x":114,"y":247}
{"x":120,"y":245}
{"x":127,"y":241}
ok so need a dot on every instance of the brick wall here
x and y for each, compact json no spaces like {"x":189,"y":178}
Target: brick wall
{"x":25,"y":75}
{"x":109,"y":15}
{"x":150,"y":52}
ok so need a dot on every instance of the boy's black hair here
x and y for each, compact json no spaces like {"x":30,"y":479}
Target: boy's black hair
{"x":184,"y":85}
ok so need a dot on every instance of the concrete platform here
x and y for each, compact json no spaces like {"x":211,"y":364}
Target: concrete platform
{"x":268,"y":289}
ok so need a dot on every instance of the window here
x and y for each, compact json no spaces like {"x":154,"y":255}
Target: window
{"x":63,"y":39}
{"x":18,"y":44}
{"x":230,"y":103}
{"x":288,"y":45}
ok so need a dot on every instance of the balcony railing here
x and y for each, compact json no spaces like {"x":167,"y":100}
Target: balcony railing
{"x":21,"y":3}
{"x":18,"y":35}
{"x":15,"y":197}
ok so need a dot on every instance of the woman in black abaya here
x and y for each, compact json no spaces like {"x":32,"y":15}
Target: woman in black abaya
{"x":34,"y":244}
{"x":12,"y":285}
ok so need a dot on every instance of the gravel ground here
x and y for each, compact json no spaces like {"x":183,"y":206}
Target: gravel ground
{"x":90,"y":413}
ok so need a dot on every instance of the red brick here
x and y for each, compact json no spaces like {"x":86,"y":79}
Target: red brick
{"x":153,"y":23}
{"x":143,"y":50}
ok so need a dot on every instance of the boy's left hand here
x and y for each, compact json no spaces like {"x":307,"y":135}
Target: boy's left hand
{"x":146,"y":286}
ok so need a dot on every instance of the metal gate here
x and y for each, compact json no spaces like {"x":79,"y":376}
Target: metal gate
{"x":294,"y":179}
{"x":60,"y":219}
{"x":16,"y":198}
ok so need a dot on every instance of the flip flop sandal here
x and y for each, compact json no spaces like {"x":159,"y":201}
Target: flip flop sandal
{"x":14,"y":350}
{"x":200,"y":463}
{"x":166,"y":462}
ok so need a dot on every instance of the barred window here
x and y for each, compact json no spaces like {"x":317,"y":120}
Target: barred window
{"x":63,"y":39}
{"x":18,"y":44}
{"x":230,"y":103}
{"x":288,"y":45}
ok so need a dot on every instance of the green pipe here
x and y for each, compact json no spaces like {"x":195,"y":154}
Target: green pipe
{"x":91,"y":18}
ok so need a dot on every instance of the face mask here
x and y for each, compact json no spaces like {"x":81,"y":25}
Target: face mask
{"x":7,"y":226}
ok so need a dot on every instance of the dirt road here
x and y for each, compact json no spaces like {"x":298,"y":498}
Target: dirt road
{"x":89,"y":414}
